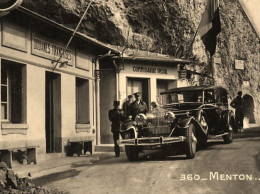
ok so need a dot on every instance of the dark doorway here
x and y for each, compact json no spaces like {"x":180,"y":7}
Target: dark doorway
{"x":249,"y":108}
{"x":53,"y":113}
{"x":139,"y":85}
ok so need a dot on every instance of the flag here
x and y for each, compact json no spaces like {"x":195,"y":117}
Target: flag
{"x":210,"y":26}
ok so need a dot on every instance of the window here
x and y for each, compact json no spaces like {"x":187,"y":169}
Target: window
{"x":221,"y":96}
{"x":13,"y":92}
{"x":82,"y":101}
{"x":209,"y":96}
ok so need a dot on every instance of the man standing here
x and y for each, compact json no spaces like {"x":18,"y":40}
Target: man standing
{"x":138,"y":106}
{"x":116,"y":116}
{"x":126,"y":106}
{"x":238,"y":105}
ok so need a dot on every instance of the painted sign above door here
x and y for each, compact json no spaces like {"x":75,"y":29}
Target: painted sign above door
{"x":52,"y":51}
{"x":145,"y":69}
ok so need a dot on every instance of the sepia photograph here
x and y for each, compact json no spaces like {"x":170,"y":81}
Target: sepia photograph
{"x":130,"y":96}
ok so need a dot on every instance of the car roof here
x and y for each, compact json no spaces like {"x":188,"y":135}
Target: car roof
{"x":193,"y":88}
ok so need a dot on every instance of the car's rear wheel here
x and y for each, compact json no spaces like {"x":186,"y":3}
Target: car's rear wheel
{"x":229,"y":137}
{"x":203,"y":139}
{"x":132,"y":153}
{"x":191,"y":141}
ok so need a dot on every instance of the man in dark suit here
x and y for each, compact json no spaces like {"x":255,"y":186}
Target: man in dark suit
{"x":138,"y":106}
{"x":126,"y":105}
{"x":116,"y":116}
{"x":239,"y":105}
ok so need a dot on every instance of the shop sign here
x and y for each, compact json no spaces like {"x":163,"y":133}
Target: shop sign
{"x":217,"y":60}
{"x":51,"y":51}
{"x":239,"y":64}
{"x":143,"y":69}
{"x":183,"y":74}
{"x":246,"y":84}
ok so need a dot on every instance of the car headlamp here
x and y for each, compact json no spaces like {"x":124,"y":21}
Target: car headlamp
{"x":169,"y":116}
{"x":140,"y":119}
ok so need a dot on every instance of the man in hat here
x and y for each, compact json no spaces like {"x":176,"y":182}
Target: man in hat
{"x":239,"y":105}
{"x":138,"y":106}
{"x":116,"y":116}
{"x":126,"y":105}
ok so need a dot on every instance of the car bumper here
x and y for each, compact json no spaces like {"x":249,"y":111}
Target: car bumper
{"x":152,"y":141}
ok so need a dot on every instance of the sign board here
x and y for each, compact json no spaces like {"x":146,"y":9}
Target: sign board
{"x":182,"y":74}
{"x":217,"y":60}
{"x":51,"y":51}
{"x":246,"y":84}
{"x":239,"y":64}
{"x":145,"y":69}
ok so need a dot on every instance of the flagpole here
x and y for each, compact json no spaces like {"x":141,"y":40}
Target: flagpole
{"x":74,"y":32}
{"x":212,"y":68}
{"x":191,"y":44}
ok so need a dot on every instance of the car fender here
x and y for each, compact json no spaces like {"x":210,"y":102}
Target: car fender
{"x":128,"y":130}
{"x":200,"y":133}
{"x":225,"y":118}
{"x":184,"y":122}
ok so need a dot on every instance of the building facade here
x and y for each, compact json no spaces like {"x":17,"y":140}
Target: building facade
{"x":47,"y":89}
{"x":145,"y":73}
{"x":51,"y":95}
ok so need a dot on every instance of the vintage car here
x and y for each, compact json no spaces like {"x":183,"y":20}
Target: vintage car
{"x":189,"y":116}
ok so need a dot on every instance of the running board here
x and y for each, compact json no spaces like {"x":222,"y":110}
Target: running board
{"x":216,"y":136}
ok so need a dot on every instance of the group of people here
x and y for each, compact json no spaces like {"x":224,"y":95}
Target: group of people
{"x":131,"y":108}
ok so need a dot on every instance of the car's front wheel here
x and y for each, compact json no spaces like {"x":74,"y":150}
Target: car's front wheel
{"x":132,"y":153}
{"x":191,"y":141}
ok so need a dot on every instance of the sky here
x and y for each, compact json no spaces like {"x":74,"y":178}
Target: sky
{"x":253,"y":7}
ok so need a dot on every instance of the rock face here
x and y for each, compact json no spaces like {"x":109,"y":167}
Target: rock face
{"x":168,"y":27}
{"x":160,"y":26}
{"x":238,"y":41}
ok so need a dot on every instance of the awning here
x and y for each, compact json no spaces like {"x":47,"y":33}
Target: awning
{"x":155,"y":59}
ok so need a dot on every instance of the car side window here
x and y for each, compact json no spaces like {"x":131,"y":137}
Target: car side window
{"x":209,"y":96}
{"x":224,"y":98}
{"x":221,"y":96}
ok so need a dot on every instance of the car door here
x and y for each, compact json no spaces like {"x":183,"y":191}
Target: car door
{"x":212,"y":116}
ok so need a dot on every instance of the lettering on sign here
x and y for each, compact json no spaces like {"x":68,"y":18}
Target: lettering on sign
{"x":51,"y":51}
{"x":217,"y":60}
{"x":246,"y":84}
{"x":155,"y":70}
{"x":240,"y":64}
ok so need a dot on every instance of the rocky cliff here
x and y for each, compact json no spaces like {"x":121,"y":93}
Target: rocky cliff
{"x":168,"y":27}
{"x":163,"y":26}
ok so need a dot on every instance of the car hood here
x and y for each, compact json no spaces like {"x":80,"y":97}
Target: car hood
{"x":182,"y":106}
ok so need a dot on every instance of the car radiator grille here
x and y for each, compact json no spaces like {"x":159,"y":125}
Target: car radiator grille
{"x":156,"y":122}
{"x":157,"y":130}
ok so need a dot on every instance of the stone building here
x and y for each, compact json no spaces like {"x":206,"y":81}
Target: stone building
{"x":46,"y":103}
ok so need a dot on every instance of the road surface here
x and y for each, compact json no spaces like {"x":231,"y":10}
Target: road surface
{"x":220,"y":168}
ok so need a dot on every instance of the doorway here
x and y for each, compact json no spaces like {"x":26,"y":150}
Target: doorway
{"x":249,"y":108}
{"x":139,"y":85}
{"x":53,"y":113}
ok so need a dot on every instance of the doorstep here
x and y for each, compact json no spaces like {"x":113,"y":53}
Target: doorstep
{"x":107,"y":148}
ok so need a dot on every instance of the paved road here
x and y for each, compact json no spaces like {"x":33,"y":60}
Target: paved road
{"x":220,"y":168}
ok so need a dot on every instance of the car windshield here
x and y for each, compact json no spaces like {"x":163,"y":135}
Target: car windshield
{"x":184,"y":96}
